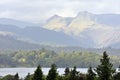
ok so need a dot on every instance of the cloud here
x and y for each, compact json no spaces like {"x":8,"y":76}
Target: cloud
{"x":39,"y":10}
{"x":5,"y":33}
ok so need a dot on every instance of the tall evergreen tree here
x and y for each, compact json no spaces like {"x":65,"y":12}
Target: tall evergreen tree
{"x":105,"y":70}
{"x":52,"y":75}
{"x":38,"y":74}
{"x":67,"y":71}
{"x":16,"y":77}
{"x":28,"y":77}
{"x":74,"y":74}
{"x":91,"y":75}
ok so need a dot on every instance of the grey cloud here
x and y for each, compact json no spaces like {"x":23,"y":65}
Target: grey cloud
{"x":37,"y":10}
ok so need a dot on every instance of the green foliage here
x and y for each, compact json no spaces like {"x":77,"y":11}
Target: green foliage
{"x":82,"y":76}
{"x":116,"y":76}
{"x":74,"y":75}
{"x":91,"y":75}
{"x":46,"y":57}
{"x":28,"y":77}
{"x":52,"y":75}
{"x":16,"y":77}
{"x":105,"y":70}
{"x":67,"y":71}
{"x":66,"y":74}
{"x":8,"y":77}
{"x":38,"y":75}
{"x":7,"y":61}
{"x":11,"y":77}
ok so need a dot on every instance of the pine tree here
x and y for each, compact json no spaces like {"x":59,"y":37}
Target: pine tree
{"x":52,"y":75}
{"x":91,"y":75}
{"x":28,"y":77}
{"x":16,"y":77}
{"x":67,"y":71}
{"x":38,"y":74}
{"x":74,"y":74}
{"x":105,"y":70}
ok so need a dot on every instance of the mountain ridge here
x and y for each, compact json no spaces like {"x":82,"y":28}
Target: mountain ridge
{"x":92,"y":25}
{"x":85,"y":30}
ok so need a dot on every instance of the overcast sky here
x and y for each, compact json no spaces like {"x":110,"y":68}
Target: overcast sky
{"x":38,"y":10}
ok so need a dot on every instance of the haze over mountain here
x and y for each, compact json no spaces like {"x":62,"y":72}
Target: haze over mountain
{"x":100,"y":30}
{"x":84,"y":30}
{"x":8,"y":42}
{"x":21,"y":24}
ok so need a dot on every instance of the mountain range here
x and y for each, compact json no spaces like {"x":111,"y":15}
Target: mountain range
{"x":91,"y":30}
{"x":85,"y":30}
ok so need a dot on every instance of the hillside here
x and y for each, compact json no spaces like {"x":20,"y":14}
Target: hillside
{"x":46,"y":57}
{"x":8,"y":42}
{"x":39,"y":35}
{"x":85,"y":30}
{"x":92,"y":30}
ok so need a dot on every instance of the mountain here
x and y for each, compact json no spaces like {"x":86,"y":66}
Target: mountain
{"x":7,"y":42}
{"x":22,"y":24}
{"x":39,"y":35}
{"x":85,"y":30}
{"x":91,"y":30}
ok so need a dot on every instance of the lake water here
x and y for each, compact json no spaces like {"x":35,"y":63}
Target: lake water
{"x":24,"y":71}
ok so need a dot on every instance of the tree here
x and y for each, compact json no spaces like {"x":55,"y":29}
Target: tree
{"x":38,"y":74}
{"x":52,"y":75}
{"x":8,"y":77}
{"x":117,"y":76}
{"x":28,"y":77}
{"x":67,"y":74}
{"x":16,"y":77}
{"x":105,"y":70}
{"x":67,"y":71}
{"x":74,"y":74}
{"x":91,"y":75}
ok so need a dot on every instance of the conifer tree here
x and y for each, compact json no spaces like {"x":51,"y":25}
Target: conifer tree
{"x":16,"y":77}
{"x":52,"y":75}
{"x":38,"y":74}
{"x":91,"y":75}
{"x":105,"y":70}
{"x":74,"y":74}
{"x":67,"y":71}
{"x":28,"y":77}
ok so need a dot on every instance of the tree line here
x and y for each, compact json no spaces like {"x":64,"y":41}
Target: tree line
{"x":104,"y":71}
{"x":46,"y":57}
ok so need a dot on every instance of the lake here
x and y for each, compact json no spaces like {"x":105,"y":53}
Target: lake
{"x":24,"y":71}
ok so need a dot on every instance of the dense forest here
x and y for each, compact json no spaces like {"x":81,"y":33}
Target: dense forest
{"x":46,"y":57}
{"x":103,"y":71}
